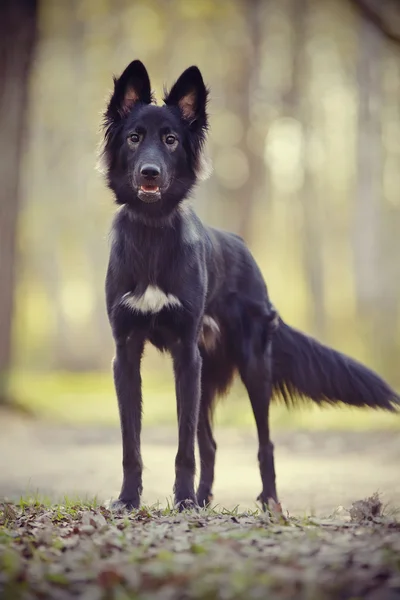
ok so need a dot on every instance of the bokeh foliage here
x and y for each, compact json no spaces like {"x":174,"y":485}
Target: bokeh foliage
{"x":305,"y":142}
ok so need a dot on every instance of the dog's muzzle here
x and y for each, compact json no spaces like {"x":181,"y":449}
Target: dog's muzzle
{"x":149,"y":186}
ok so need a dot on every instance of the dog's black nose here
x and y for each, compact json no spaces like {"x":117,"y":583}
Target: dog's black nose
{"x":150,"y":171}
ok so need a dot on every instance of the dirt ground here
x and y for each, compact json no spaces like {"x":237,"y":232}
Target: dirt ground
{"x":316,"y":472}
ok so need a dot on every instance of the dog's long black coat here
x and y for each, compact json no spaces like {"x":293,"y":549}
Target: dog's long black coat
{"x":197,"y":292}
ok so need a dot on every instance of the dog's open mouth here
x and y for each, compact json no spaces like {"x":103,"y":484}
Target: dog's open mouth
{"x":149,"y":193}
{"x":150,"y":189}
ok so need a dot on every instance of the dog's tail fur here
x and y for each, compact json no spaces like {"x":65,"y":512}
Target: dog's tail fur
{"x":303,"y":368}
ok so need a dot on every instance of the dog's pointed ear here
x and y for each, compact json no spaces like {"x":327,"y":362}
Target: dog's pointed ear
{"x":190,"y":95}
{"x":133,"y":86}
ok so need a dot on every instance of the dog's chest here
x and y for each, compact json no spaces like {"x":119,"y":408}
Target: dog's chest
{"x":152,"y":262}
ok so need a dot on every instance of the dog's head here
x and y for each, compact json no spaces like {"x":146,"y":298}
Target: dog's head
{"x":153,"y":155}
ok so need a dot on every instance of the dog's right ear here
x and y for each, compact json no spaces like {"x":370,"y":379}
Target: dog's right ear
{"x":132,"y":87}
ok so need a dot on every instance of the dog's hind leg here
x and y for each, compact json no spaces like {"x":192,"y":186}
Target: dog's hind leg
{"x":207,"y":445}
{"x":255,"y":371}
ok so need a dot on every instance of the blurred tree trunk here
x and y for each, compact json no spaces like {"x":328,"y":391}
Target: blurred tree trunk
{"x":375,"y":225}
{"x":367,"y":211}
{"x":382,"y":14}
{"x":297,"y":105}
{"x":241,"y":87}
{"x":256,"y":178}
{"x":18,"y":19}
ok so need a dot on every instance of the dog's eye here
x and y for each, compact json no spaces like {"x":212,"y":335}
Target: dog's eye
{"x":134,"y":138}
{"x":170,"y":139}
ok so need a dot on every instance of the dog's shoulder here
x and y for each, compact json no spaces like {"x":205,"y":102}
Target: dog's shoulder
{"x":193,"y":233}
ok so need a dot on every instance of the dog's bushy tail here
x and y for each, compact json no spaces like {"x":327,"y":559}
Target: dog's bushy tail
{"x":303,"y":368}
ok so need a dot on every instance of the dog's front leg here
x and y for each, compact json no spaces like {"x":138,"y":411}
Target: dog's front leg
{"x":187,"y":369}
{"x":128,"y":387}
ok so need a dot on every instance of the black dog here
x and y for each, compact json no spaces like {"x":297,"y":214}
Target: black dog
{"x":197,"y":292}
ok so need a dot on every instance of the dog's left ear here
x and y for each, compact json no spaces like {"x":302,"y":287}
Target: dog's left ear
{"x":190,"y":94}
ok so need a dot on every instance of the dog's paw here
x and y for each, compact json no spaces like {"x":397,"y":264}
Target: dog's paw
{"x":272,"y":507}
{"x":204,"y":497}
{"x":186,"y":504}
{"x":122,"y":505}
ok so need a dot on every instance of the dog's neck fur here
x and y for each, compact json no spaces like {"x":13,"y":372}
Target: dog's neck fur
{"x":181,"y":210}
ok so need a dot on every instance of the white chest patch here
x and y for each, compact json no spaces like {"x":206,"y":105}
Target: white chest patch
{"x":152,"y":301}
